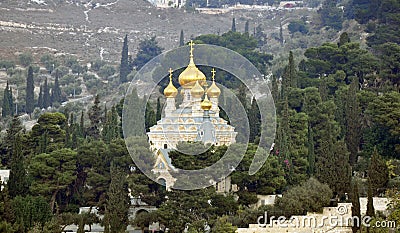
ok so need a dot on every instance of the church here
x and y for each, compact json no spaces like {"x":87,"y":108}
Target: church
{"x":195,"y":119}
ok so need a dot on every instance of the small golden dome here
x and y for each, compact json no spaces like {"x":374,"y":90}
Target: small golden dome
{"x":197,"y":91}
{"x":191,"y":74}
{"x":213,"y":91}
{"x":170,"y":91}
{"x":206,"y":104}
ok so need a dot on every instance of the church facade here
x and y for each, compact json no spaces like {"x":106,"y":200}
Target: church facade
{"x":195,"y":119}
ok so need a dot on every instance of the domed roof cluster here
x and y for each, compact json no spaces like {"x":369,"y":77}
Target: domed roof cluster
{"x":192,"y":78}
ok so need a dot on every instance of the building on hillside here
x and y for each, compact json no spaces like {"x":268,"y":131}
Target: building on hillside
{"x":4,"y":176}
{"x":195,"y":119}
{"x":168,"y":3}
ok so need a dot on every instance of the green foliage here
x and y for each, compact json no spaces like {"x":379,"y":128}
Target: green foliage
{"x":355,"y":208}
{"x":378,"y":174}
{"x":233,"y":29}
{"x":331,"y":15}
{"x":53,"y":174}
{"x":95,"y":117}
{"x":30,"y":210}
{"x":30,"y":97}
{"x":148,"y":49}
{"x":311,"y":196}
{"x":8,"y":103}
{"x":124,"y":66}
{"x":25,"y":59}
{"x":181,"y":39}
{"x":17,"y":183}
{"x":117,"y":206}
{"x":223,"y":225}
{"x":298,"y":26}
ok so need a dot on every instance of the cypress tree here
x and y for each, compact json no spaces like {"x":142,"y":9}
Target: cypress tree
{"x":7,"y":107}
{"x":150,"y":117}
{"x":355,"y":208}
{"x":254,"y":120}
{"x":281,"y":33}
{"x":344,"y":39}
{"x":40,"y":98}
{"x":8,"y":142}
{"x":158,"y":110}
{"x":82,"y":125}
{"x":311,"y":154}
{"x":378,"y":173}
{"x":274,"y":89}
{"x":233,"y":25}
{"x":56,"y":91}
{"x":124,"y":66}
{"x":17,"y":184}
{"x":246,"y":28}
{"x":95,"y":118}
{"x":181,"y":39}
{"x":370,"y":200}
{"x":29,"y":99}
{"x":353,"y":124}
{"x":118,"y":200}
{"x":242,"y":96}
{"x":46,"y":95}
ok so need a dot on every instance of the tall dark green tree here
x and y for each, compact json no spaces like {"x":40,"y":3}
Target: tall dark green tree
{"x":30,"y":98}
{"x":46,"y":95}
{"x":181,"y":39}
{"x":124,"y":66}
{"x":40,"y":97}
{"x":95,"y":115}
{"x":8,"y":142}
{"x":8,"y":104}
{"x":56,"y":90}
{"x":370,"y":200}
{"x":246,"y":28}
{"x":158,"y":110}
{"x":233,"y":29}
{"x":344,"y":39}
{"x":254,"y":120}
{"x":17,"y":184}
{"x":150,"y":116}
{"x":378,"y":173}
{"x":353,"y":122}
{"x":355,"y":208}
{"x":118,"y":200}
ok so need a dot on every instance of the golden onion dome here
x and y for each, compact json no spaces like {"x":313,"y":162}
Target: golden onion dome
{"x":191,"y":74}
{"x":197,"y":91}
{"x":170,"y":91}
{"x":213,"y":91}
{"x":206,"y":104}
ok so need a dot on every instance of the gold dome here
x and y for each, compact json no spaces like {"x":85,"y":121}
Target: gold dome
{"x":170,"y":91}
{"x":206,"y":104}
{"x":213,"y":91}
{"x":197,"y":91}
{"x":191,"y":74}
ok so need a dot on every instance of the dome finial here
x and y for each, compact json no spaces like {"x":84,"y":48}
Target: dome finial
{"x":170,"y":91}
{"x":191,"y":43}
{"x":213,"y":74}
{"x":213,"y":91}
{"x":206,"y":103}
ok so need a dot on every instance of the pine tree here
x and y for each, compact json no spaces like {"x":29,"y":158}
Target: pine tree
{"x":40,"y":98}
{"x":370,"y":201}
{"x":46,"y":95}
{"x":353,"y":123}
{"x":158,"y":110}
{"x":17,"y":184}
{"x":95,"y":118}
{"x":323,"y":89}
{"x":378,"y":173}
{"x":124,"y":66}
{"x":30,"y":101}
{"x":246,"y":28}
{"x":56,"y":91}
{"x":181,"y":39}
{"x":355,"y":208}
{"x":233,"y":25}
{"x":118,"y":200}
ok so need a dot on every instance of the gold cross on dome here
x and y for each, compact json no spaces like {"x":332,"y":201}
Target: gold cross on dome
{"x":170,"y":74}
{"x":213,"y":73}
{"x":191,"y":43}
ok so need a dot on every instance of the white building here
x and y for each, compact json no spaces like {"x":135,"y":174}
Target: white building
{"x":4,"y":176}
